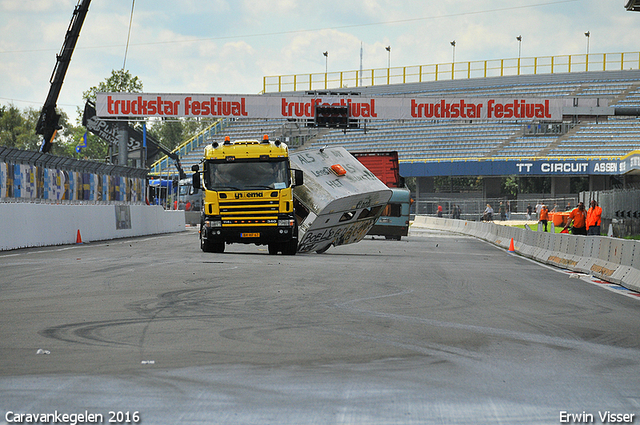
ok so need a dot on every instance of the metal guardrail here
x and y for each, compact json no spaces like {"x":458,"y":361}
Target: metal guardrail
{"x":453,"y":71}
{"x":471,"y":208}
{"x":18,"y":156}
{"x":35,"y":177}
{"x":162,"y":166}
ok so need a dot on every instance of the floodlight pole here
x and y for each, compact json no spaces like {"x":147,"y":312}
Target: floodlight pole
{"x":453,"y":43}
{"x":588,"y":35}
{"x":388,"y":49}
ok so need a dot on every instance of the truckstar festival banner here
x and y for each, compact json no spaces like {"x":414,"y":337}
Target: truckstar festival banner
{"x":111,"y":105}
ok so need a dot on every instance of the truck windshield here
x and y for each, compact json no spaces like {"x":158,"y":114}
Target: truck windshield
{"x":243,"y":175}
{"x":186,"y":190}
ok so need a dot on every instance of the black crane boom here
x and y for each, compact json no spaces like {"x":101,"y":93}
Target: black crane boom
{"x":48,"y":122}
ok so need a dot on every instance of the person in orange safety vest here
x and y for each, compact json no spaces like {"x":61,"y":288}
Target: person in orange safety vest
{"x":579,"y":218}
{"x":594,"y":216}
{"x":544,"y":216}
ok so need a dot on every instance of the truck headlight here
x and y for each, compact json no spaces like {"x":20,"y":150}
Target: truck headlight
{"x":213,"y":223}
{"x":287,"y":222}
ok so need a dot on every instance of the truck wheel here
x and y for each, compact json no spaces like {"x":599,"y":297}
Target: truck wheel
{"x":206,"y":245}
{"x":290,"y":248}
{"x":274,"y":248}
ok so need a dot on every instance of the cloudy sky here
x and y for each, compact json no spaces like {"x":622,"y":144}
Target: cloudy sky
{"x":228,"y":46}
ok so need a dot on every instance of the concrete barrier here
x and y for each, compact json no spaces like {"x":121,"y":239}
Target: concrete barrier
{"x":28,"y":224}
{"x":611,"y":259}
{"x":192,"y":217}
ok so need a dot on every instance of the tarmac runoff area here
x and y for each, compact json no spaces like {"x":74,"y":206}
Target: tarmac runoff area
{"x":437,"y":328}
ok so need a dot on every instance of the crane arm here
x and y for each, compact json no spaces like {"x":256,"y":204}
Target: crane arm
{"x":48,"y":122}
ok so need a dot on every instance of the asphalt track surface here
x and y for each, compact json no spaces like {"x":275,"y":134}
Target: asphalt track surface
{"x":434,"y":329}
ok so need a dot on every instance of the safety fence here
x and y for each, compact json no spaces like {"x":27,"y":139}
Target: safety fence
{"x":471,"y":208}
{"x":620,"y":208}
{"x":610,"y":259}
{"x":28,"y":176}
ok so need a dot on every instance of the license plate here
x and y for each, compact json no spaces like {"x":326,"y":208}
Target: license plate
{"x":249,"y":235}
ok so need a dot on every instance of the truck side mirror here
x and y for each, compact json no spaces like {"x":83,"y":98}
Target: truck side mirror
{"x":298,"y":177}
{"x":196,"y":180}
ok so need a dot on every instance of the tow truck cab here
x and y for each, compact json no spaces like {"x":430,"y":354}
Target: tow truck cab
{"x":248,"y":196}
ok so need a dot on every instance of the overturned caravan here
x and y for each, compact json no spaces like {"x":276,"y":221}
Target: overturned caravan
{"x":340,"y":200}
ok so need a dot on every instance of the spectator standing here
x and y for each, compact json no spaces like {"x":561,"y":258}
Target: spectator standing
{"x":488,"y":213}
{"x":439,"y":210}
{"x":544,"y":216}
{"x":503,"y":211}
{"x":455,"y":212}
{"x":529,"y":211}
{"x":538,"y":209}
{"x":594,"y":219}
{"x":579,"y":218}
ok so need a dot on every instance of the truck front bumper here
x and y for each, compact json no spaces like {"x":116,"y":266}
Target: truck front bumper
{"x":259,"y":235}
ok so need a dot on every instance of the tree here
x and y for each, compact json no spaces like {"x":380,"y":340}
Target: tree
{"x":119,"y":81}
{"x":510,"y":186}
{"x":168,"y":133}
{"x":17,"y":129}
{"x":97,"y":149}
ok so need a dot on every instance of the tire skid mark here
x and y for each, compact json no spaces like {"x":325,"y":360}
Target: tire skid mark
{"x":555,"y":341}
{"x":169,"y":306}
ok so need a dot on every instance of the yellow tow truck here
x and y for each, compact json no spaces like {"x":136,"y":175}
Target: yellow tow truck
{"x":248,"y":195}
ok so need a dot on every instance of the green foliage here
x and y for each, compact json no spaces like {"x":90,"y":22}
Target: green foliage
{"x":510,"y":186}
{"x":119,"y":81}
{"x":535,"y":185}
{"x":169,"y":133}
{"x":579,"y":184}
{"x":97,"y":149}
{"x":457,"y":184}
{"x":17,"y":128}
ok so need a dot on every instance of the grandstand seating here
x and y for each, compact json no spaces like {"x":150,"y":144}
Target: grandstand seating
{"x":615,"y":137}
{"x":237,"y":130}
{"x":631,"y":99}
{"x":436,"y":140}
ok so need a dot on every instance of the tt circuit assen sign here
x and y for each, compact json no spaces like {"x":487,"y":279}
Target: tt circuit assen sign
{"x":558,"y":167}
{"x":112,"y":105}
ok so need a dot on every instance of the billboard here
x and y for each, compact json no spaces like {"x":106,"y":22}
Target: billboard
{"x":114,"y":105}
{"x":538,"y":167}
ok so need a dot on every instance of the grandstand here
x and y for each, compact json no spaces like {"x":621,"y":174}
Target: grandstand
{"x":594,"y":136}
{"x":588,"y":136}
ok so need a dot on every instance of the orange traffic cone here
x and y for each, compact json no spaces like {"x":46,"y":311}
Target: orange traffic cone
{"x":512,"y":248}
{"x":78,"y":238}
